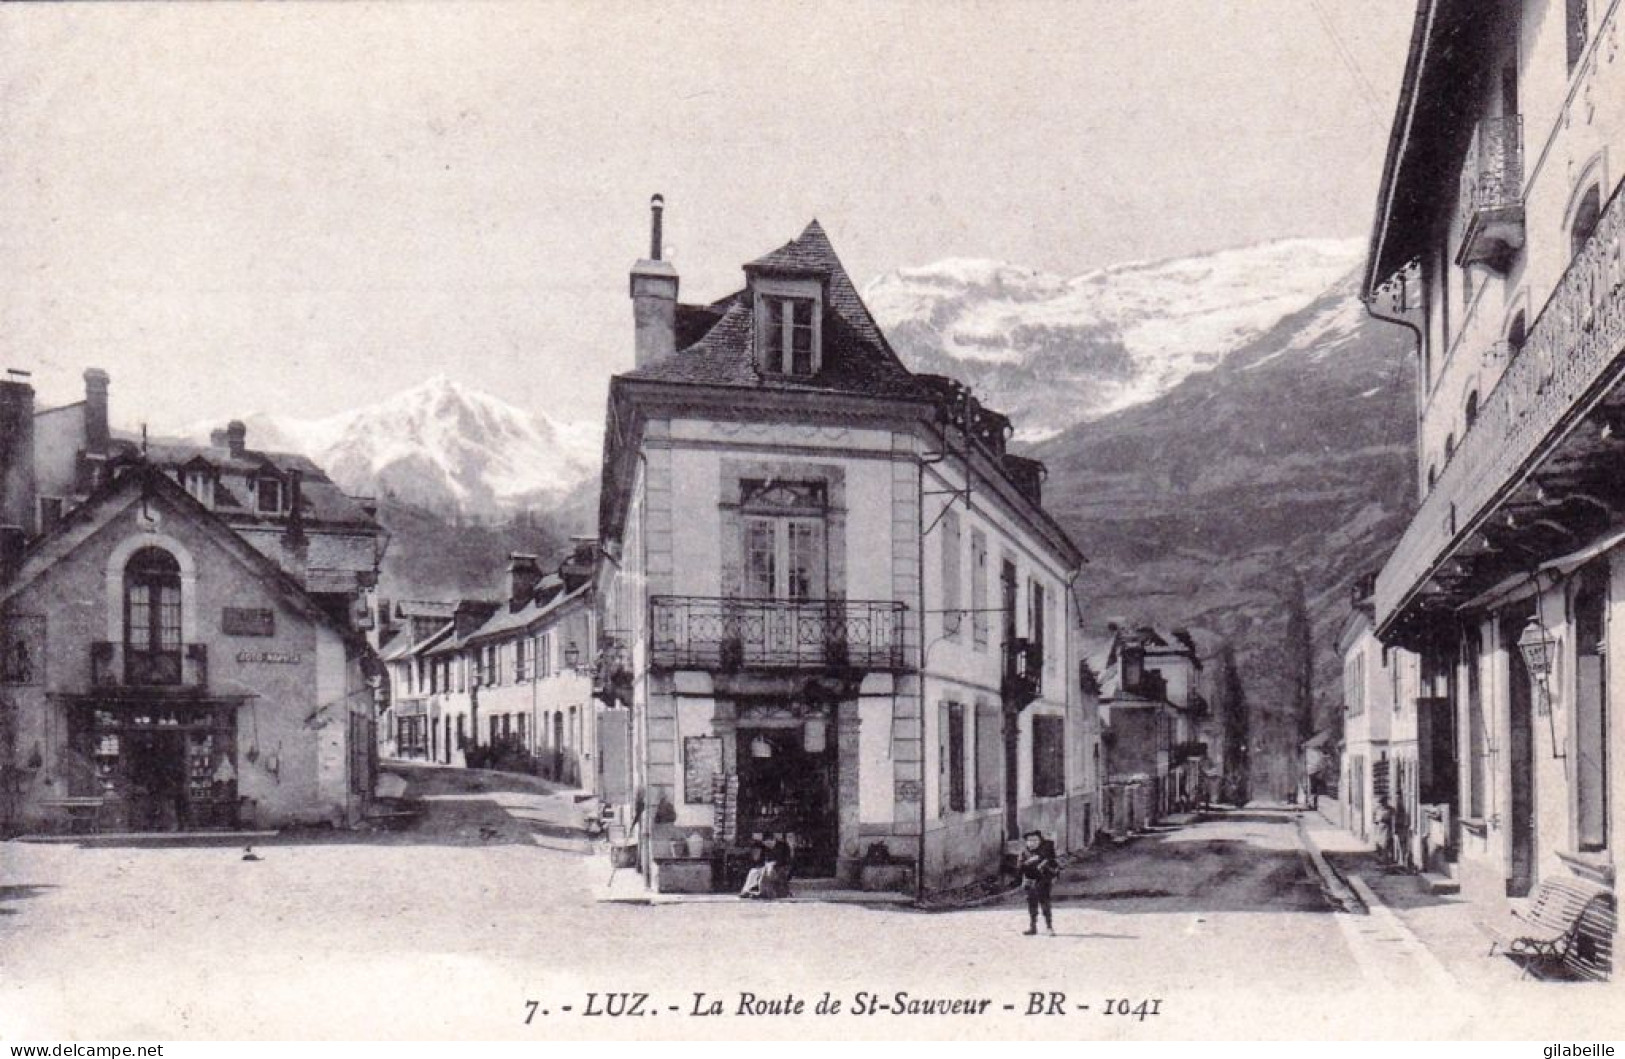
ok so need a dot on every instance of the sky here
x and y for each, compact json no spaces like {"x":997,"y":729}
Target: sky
{"x":299,"y":209}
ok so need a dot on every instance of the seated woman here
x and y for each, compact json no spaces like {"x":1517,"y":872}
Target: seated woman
{"x":755,"y":878}
{"x":780,"y":863}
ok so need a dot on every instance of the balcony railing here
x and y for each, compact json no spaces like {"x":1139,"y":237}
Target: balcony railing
{"x":1023,"y":671}
{"x":1491,"y":199}
{"x":732,"y":634}
{"x":119,"y":665}
{"x":1571,"y":355}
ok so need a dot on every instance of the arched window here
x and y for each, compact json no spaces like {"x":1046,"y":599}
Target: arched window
{"x":1472,"y":409}
{"x":1517,"y":333}
{"x":1585,"y":219}
{"x":152,"y":618}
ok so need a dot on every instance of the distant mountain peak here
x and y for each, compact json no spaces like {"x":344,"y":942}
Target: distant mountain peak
{"x":1050,"y":350}
{"x":440,"y":444}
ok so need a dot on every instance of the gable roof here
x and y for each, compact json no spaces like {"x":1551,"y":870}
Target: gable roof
{"x":143,"y":480}
{"x":856,"y":356}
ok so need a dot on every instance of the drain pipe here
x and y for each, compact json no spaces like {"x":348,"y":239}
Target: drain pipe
{"x":919,"y":541}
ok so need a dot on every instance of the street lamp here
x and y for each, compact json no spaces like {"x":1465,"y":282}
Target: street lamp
{"x":1536,"y":647}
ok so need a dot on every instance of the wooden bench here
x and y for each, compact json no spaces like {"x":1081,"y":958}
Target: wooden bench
{"x":1568,"y":922}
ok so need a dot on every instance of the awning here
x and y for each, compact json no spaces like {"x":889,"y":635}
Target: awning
{"x":1520,"y":585}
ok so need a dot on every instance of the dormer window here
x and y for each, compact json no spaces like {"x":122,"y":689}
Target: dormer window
{"x":268,"y":492}
{"x":789,"y":321}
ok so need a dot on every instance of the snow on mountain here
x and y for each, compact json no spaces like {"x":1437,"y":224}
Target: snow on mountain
{"x":440,"y":445}
{"x":1051,"y":350}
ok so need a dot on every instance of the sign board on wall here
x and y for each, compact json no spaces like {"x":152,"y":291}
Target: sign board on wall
{"x":702,"y":759}
{"x":248,"y":621}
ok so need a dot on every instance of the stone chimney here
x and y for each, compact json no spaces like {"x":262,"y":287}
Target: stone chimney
{"x":17,"y":480}
{"x":577,"y":568}
{"x":97,"y":436}
{"x":524,"y":574}
{"x":236,"y":437}
{"x":654,"y":296}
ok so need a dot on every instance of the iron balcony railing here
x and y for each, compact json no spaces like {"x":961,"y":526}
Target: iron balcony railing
{"x":120,"y":665}
{"x":731,"y":634}
{"x":1490,"y":202}
{"x":1572,"y":354}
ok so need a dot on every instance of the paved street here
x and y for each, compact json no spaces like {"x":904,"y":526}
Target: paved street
{"x":450,"y":928}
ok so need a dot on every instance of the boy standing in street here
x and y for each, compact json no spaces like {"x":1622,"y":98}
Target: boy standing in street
{"x":1038,"y":871}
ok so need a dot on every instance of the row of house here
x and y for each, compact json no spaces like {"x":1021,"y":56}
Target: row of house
{"x":1480,"y":686}
{"x":504,"y":683}
{"x":179,"y":629}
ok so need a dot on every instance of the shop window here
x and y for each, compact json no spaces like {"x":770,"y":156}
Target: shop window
{"x":521,"y":731}
{"x":951,"y":758}
{"x":1049,"y":756}
{"x":152,"y":617}
{"x":989,"y":756}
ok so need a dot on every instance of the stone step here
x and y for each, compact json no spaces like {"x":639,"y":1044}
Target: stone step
{"x":1436,"y":883}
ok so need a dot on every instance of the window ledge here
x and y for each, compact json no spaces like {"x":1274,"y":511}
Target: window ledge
{"x":1597,"y":867}
{"x":1476,"y":825}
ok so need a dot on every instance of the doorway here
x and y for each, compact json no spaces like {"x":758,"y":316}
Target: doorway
{"x":1521,"y":754}
{"x":787,"y":784}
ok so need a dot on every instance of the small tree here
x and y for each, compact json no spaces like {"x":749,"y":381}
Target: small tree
{"x":1232,"y":711}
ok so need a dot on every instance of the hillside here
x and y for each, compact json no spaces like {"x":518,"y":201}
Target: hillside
{"x":1292,"y":454}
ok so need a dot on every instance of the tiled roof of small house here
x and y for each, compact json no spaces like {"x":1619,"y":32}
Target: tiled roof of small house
{"x":856,"y":356}
{"x":323,"y":502}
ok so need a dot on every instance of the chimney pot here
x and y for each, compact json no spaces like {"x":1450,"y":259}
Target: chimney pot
{"x":237,"y":437}
{"x":97,"y":437}
{"x":654,"y":295}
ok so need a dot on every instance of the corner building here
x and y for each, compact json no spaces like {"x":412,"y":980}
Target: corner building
{"x":838,"y":609}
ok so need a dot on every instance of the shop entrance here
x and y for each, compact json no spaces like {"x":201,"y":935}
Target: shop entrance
{"x":159,"y":767}
{"x":787,"y":781}
{"x":1520,"y":741}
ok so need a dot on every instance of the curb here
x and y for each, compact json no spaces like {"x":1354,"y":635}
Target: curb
{"x":1344,"y":895}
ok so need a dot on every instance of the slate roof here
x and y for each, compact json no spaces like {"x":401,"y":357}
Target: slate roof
{"x":856,"y":356}
{"x":538,"y":607}
{"x":324,"y":503}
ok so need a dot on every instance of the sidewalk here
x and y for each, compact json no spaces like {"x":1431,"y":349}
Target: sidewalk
{"x":1449,"y":928}
{"x":626,"y":886}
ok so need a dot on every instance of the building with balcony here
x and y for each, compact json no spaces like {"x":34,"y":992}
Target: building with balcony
{"x":833,"y":600}
{"x":1156,"y":729}
{"x":1499,"y":240}
{"x":160,"y":673}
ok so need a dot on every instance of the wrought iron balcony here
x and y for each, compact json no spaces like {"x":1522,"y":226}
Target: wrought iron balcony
{"x":1491,"y":199}
{"x":119,"y":665}
{"x":1023,"y":671}
{"x":1572,"y":359}
{"x":696,"y":632}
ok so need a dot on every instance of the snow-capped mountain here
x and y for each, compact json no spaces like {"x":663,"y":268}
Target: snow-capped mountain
{"x":439,"y":445}
{"x":1051,"y":351}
